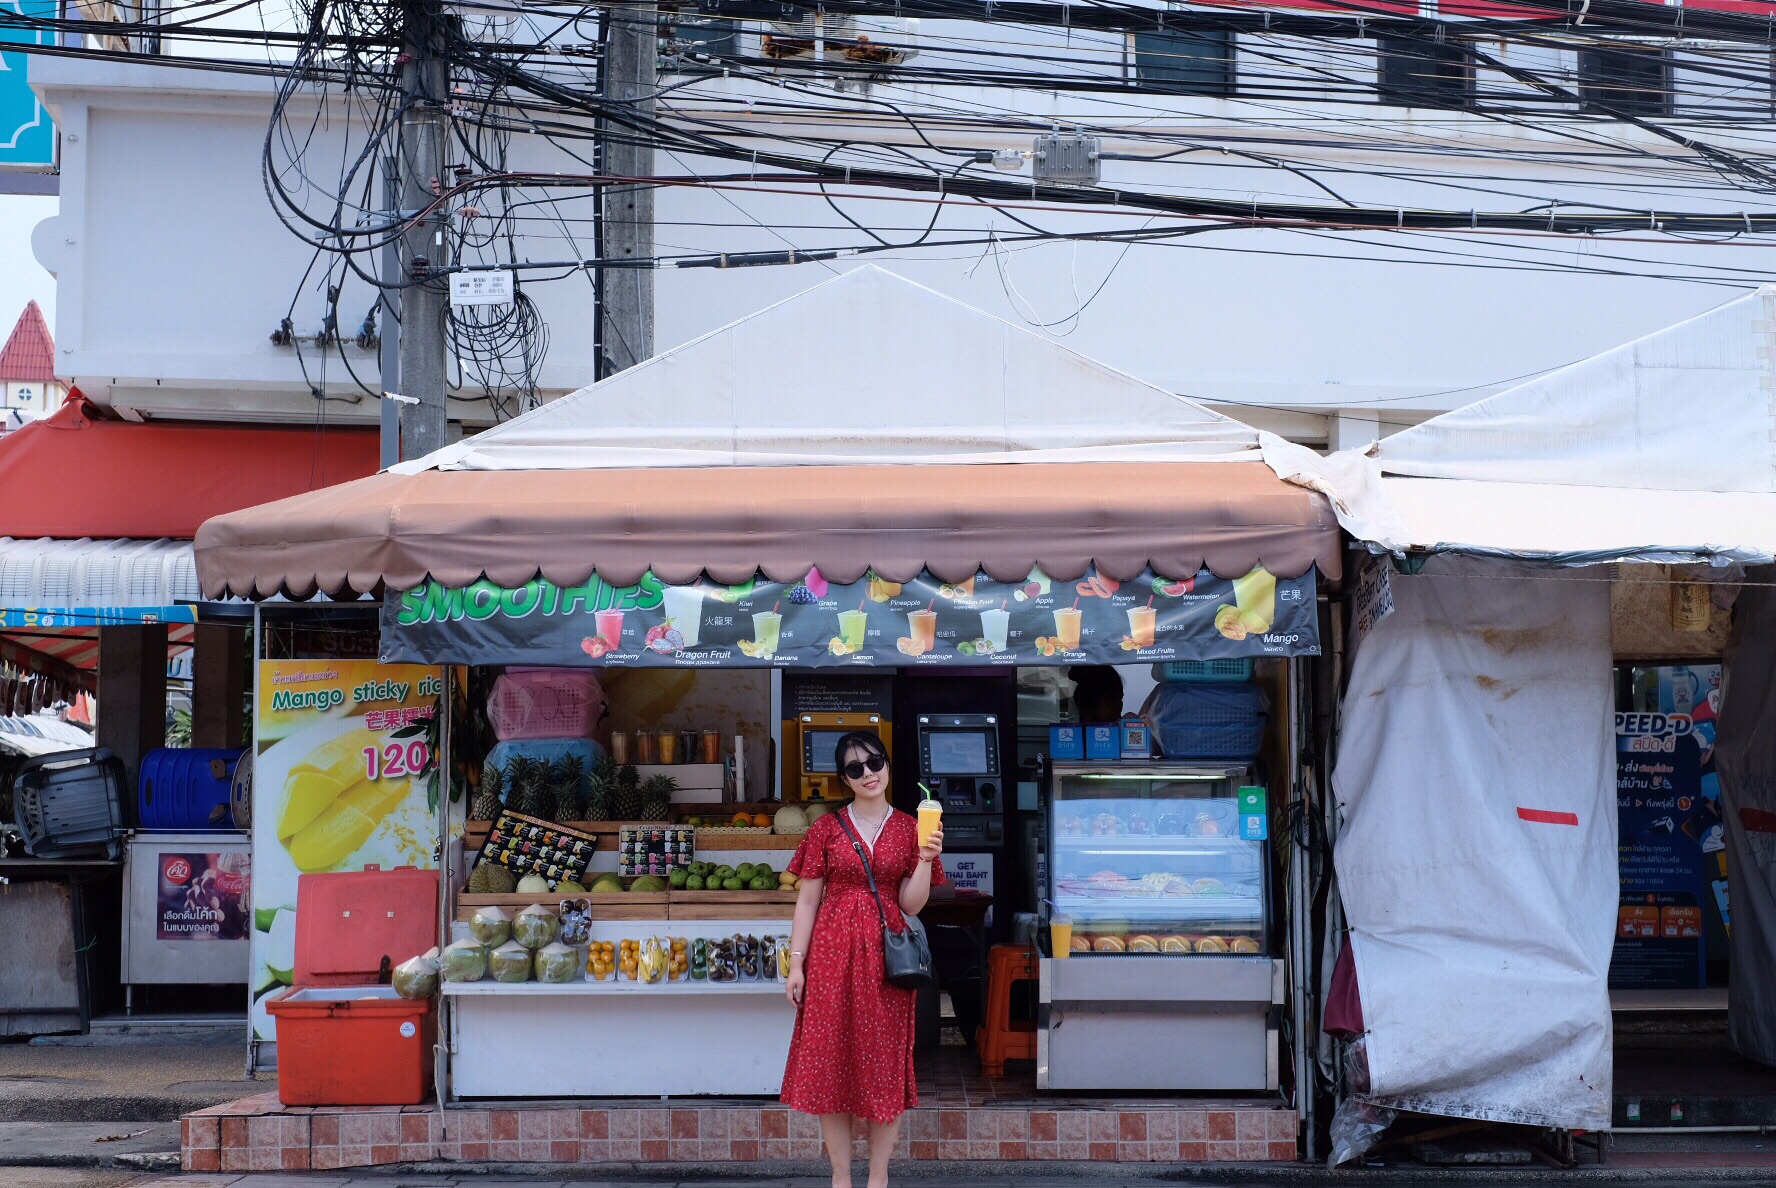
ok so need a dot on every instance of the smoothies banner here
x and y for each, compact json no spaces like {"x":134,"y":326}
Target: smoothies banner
{"x":345,"y":777}
{"x":871,"y":624}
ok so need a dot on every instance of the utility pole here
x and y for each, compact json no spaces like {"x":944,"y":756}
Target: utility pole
{"x":630,"y":77}
{"x":425,"y":91}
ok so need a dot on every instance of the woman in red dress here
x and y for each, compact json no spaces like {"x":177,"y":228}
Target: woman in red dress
{"x":852,"y":1055}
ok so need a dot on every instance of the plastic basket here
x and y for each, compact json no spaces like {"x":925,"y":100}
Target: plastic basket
{"x":1202,"y":672}
{"x":69,"y":805}
{"x":545,"y":703}
{"x":546,"y":750}
{"x":1208,"y":721}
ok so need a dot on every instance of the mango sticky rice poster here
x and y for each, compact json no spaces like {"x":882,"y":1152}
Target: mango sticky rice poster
{"x":345,"y":777}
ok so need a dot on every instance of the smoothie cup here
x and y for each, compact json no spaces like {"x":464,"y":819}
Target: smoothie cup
{"x":684,"y":606}
{"x":851,"y":627}
{"x":930,"y":819}
{"x":1067,"y":628}
{"x":922,"y":625}
{"x":767,"y":627}
{"x":994,"y":626}
{"x":610,"y":626}
{"x":1060,"y":936}
{"x":1141,"y":619}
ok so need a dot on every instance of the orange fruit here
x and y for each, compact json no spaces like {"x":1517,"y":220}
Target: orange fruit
{"x":742,"y":819}
{"x":761,"y":820}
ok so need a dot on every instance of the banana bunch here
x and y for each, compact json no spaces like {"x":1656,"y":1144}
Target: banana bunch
{"x":330,"y":806}
{"x":652,"y":966}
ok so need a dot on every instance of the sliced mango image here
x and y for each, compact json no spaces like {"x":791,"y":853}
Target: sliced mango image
{"x":345,"y":824}
{"x":322,"y":777}
{"x":1255,"y":595}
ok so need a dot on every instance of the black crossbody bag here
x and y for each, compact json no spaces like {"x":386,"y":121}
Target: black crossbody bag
{"x":906,"y":956}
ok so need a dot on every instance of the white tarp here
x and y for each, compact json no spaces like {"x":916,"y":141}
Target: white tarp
{"x":866,"y":367}
{"x":1745,"y":757}
{"x":1663,"y":449}
{"x":1477,"y":854}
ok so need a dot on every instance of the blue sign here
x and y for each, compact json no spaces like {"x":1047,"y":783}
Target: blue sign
{"x":14,"y":618}
{"x":27,"y":137}
{"x":1661,"y":820}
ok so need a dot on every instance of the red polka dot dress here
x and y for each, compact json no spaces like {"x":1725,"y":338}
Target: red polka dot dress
{"x":853,"y":1046}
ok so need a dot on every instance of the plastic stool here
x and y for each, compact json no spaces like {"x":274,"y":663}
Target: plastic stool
{"x":999,"y":1038}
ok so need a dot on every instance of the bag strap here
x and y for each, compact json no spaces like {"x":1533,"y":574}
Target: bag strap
{"x":844,"y":816}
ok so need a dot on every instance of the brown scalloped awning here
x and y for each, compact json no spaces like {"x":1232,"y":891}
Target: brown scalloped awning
{"x":395,"y":530}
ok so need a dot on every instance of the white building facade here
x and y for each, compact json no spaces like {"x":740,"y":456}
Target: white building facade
{"x":1331,"y":338}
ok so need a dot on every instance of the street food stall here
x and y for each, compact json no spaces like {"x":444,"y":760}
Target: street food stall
{"x":703,"y":560}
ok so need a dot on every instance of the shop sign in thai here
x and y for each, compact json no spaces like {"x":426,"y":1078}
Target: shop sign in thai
{"x":870,"y":623}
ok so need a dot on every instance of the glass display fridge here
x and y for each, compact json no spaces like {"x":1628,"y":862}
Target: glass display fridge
{"x":1161,"y":901}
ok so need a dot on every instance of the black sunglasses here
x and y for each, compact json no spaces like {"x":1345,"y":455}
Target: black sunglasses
{"x":854,"y":770}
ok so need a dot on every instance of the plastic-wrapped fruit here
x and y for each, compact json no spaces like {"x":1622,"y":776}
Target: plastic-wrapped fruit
{"x":464,"y":961}
{"x":535,"y":927}
{"x":651,"y":967}
{"x":556,"y":963}
{"x":510,"y":963}
{"x":491,"y":927}
{"x":417,"y":977}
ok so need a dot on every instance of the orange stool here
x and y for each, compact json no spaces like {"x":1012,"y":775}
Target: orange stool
{"x":999,"y":1038}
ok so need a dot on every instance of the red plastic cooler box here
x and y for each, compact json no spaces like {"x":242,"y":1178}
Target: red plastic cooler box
{"x":344,"y":1037}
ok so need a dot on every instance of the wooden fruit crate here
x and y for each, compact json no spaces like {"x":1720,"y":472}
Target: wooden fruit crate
{"x":731,"y":905}
{"x":606,"y":905}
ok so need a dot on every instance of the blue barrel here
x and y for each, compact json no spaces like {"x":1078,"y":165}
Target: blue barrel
{"x":186,"y":788}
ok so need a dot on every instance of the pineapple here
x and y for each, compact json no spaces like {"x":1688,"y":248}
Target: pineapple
{"x":626,"y":796}
{"x":656,"y":797}
{"x":488,"y":798}
{"x":527,"y":788}
{"x":564,"y":776}
{"x":600,"y":787}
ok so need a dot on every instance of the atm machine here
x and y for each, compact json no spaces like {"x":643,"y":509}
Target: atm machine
{"x":960,"y":730}
{"x":814,"y":753}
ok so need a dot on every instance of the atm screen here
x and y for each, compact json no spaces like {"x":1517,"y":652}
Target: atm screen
{"x":957,"y":752}
{"x":817,"y":749}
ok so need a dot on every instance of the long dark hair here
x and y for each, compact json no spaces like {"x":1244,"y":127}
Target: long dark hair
{"x":867,"y":741}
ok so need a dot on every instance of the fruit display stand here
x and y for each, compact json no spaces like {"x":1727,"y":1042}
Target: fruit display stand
{"x":688,"y":1037}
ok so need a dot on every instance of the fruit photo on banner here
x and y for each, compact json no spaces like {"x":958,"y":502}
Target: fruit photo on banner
{"x":345,"y":777}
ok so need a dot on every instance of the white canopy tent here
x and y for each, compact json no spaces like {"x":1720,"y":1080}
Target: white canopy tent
{"x":1483,"y":703}
{"x":865,"y":367}
{"x":1663,"y":449}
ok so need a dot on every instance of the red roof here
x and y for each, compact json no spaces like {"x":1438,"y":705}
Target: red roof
{"x":76,"y":473}
{"x":29,"y":355}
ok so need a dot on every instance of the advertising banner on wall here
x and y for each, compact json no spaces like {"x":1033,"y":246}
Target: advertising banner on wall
{"x":1661,"y":823}
{"x":872,"y":623}
{"x":345,"y":776}
{"x":201,"y":897}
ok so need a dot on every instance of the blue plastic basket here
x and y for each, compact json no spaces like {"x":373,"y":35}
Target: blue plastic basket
{"x":1208,"y":721}
{"x":1202,"y":672}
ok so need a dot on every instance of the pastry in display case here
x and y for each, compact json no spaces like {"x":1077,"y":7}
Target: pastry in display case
{"x":1150,"y":860}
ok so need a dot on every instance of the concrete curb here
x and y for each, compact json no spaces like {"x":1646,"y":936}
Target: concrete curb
{"x":1025,"y":1175}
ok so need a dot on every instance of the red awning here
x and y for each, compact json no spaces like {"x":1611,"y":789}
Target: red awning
{"x":77,"y":473}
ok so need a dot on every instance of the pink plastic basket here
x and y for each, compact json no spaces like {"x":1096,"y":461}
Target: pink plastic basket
{"x":545,"y":703}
